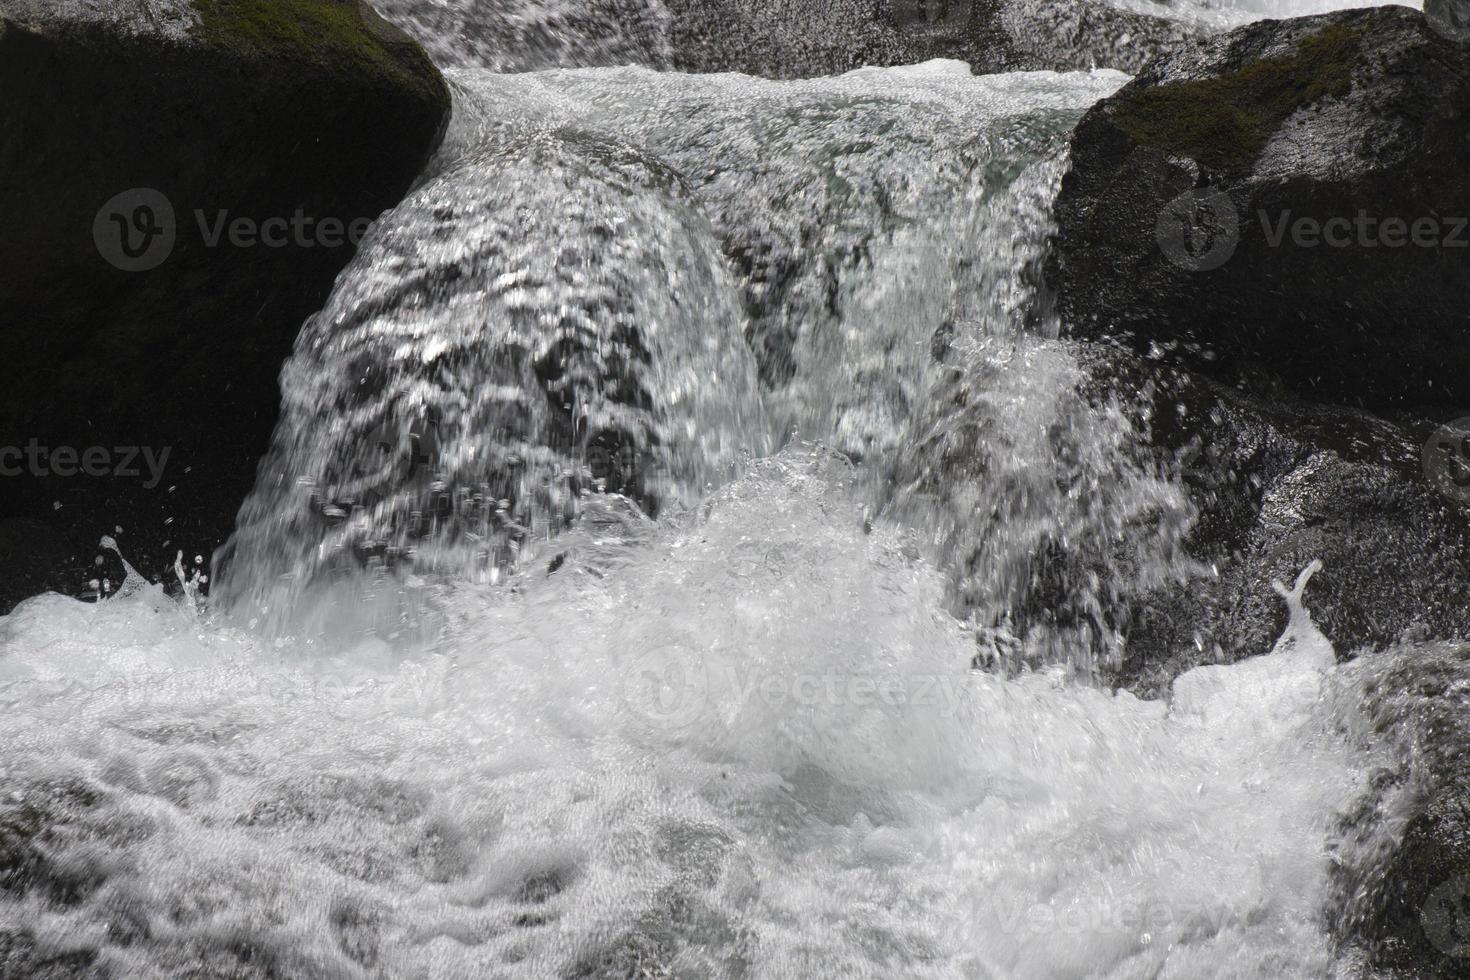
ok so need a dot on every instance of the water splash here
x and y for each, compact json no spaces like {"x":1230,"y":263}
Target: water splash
{"x":545,"y":316}
{"x":1036,"y":497}
{"x":564,"y":305}
{"x":824,"y":788}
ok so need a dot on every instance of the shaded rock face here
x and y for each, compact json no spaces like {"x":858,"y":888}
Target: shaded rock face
{"x":139,"y":317}
{"x":1401,"y":878}
{"x":1034,"y":34}
{"x":1290,"y":196}
{"x":1280,"y":482}
{"x":782,"y":38}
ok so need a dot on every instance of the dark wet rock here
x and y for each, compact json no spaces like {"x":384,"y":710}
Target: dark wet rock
{"x":1401,"y":878}
{"x":358,"y":932}
{"x":693,"y":926}
{"x":331,"y":797}
{"x":22,"y":958}
{"x":1035,"y":34}
{"x":1359,"y":117}
{"x":1278,"y":483}
{"x":264,"y":110}
{"x":51,"y":841}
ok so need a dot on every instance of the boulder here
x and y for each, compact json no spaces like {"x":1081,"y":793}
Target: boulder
{"x":181,"y":181}
{"x":1401,"y":868}
{"x":1278,"y":483}
{"x":1290,"y":197}
{"x":1028,"y":35}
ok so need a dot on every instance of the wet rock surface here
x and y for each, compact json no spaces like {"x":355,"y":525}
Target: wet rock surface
{"x":1280,"y":482}
{"x":1402,"y":874}
{"x":138,"y":321}
{"x":1291,"y":198}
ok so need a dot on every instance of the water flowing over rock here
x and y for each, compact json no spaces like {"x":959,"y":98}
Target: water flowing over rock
{"x":787,"y":38}
{"x":1291,"y":197}
{"x":489,"y":364}
{"x":524,"y":35}
{"x":546,"y":314}
{"x":135,"y":138}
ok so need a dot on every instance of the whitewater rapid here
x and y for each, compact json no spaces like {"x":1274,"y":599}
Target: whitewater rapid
{"x":749,"y":744}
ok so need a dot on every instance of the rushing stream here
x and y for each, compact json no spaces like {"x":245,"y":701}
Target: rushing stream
{"x":609,"y":601}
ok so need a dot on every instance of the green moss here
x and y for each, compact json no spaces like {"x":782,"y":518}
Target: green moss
{"x":1225,"y":122}
{"x":334,"y":34}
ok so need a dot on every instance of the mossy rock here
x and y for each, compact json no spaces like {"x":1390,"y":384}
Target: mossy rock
{"x":346,"y":36}
{"x":256,"y":110}
{"x":1401,"y":875}
{"x":1225,"y":121}
{"x":1281,"y":126}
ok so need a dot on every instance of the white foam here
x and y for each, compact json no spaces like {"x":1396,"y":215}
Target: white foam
{"x":750,"y":745}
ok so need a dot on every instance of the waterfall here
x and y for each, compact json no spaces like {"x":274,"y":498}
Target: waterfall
{"x":686,"y":550}
{"x":869,"y":235}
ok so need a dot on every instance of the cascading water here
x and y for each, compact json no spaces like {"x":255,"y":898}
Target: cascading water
{"x":780,"y":37}
{"x":609,"y":602}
